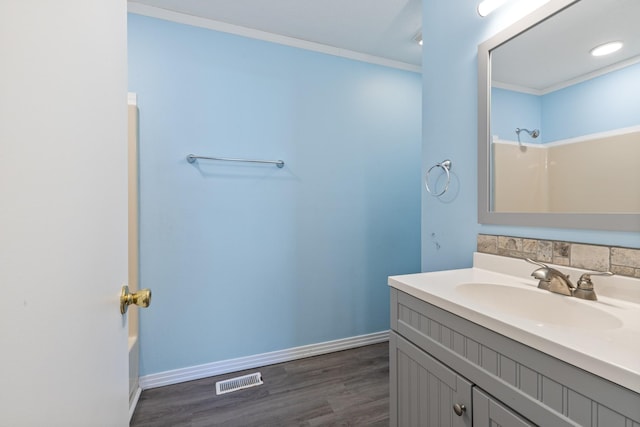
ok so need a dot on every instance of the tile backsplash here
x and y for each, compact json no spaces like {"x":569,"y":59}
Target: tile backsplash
{"x":622,"y":261}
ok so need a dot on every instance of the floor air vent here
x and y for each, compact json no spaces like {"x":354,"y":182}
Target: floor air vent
{"x":238,"y":383}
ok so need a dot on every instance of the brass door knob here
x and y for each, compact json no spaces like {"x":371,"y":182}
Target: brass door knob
{"x":142,"y":298}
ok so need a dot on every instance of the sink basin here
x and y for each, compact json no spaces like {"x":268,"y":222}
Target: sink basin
{"x":543,"y":307}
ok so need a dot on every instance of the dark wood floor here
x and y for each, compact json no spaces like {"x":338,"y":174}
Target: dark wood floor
{"x":346,"y":388}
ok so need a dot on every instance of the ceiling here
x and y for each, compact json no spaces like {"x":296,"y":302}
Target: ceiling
{"x":552,"y":53}
{"x":556,"y":51}
{"x":381,"y":28}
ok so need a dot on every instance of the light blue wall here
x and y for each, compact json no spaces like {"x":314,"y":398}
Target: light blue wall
{"x":600,"y":104}
{"x":247,"y":259}
{"x":511,"y":110}
{"x":452,"y":31}
{"x":607,"y":102}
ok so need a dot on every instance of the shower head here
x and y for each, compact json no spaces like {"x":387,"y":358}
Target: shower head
{"x":533,"y":133}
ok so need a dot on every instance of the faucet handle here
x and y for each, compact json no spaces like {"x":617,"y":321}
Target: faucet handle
{"x":599,"y":273}
{"x":585,"y":279}
{"x":530,"y":261}
{"x":584,"y":287}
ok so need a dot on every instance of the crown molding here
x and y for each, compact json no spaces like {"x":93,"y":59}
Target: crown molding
{"x":195,"y":21}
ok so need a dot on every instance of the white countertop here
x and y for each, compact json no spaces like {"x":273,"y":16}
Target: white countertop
{"x":611,"y":352}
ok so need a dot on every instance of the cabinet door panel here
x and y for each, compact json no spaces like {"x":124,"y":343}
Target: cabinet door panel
{"x":425,"y":390}
{"x":487,"y":412}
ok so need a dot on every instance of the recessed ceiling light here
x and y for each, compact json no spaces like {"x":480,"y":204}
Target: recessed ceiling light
{"x":606,"y":49}
{"x":487,"y":6}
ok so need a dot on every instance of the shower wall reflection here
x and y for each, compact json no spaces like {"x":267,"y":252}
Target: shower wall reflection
{"x":589,"y":174}
{"x":586,"y":158}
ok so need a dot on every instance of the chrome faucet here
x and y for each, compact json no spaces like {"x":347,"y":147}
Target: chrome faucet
{"x":553,"y":280}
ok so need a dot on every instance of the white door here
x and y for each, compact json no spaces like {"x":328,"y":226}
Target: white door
{"x":63,"y":213}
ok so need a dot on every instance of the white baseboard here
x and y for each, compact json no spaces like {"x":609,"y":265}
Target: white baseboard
{"x":232,"y":365}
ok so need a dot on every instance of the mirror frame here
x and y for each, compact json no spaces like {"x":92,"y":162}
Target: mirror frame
{"x":600,"y":221}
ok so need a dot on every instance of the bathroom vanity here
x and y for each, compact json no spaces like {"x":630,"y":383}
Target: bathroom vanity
{"x":484,"y":346}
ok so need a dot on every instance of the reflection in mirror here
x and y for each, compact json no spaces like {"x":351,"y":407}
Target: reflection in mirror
{"x":563,"y":131}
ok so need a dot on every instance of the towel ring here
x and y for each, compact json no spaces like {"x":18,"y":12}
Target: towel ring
{"x":445,"y":165}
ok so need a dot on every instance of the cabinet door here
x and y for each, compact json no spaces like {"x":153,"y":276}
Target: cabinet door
{"x":424,"y":391}
{"x":488,"y":412}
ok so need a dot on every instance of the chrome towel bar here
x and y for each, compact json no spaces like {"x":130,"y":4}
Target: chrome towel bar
{"x":192,"y":158}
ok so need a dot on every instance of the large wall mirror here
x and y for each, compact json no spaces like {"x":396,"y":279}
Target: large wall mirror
{"x":558,"y":127}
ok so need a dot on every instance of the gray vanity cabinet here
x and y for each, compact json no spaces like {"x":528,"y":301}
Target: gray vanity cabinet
{"x":425,"y":393}
{"x":426,"y":390}
{"x":438,"y":360}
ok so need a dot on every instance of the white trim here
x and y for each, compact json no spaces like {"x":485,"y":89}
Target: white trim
{"x":576,"y":140}
{"x":195,"y":21}
{"x":592,"y":136}
{"x":522,"y":144}
{"x":516,"y":88}
{"x":250,"y":362}
{"x":134,"y":402}
{"x":592,"y":75}
{"x":583,"y":78}
{"x":132,"y":98}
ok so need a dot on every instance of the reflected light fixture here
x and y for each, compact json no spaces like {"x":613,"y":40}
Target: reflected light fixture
{"x":487,"y":6}
{"x":606,"y":49}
